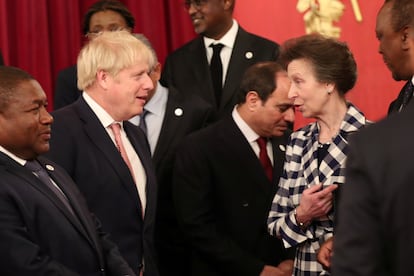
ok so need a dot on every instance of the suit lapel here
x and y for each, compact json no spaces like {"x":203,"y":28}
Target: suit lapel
{"x":197,"y":59}
{"x":169,"y":126}
{"x":80,"y":222}
{"x":238,"y":63}
{"x":98,"y":135}
{"x":310,"y":158}
{"x":144,"y":155}
{"x":398,"y":102}
{"x":279,"y":149}
{"x":234,"y":140}
{"x":31,"y":179}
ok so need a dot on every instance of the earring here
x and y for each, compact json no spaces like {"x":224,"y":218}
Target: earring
{"x":329,"y":91}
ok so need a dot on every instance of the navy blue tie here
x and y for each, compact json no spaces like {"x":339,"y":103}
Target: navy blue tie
{"x":41,"y":173}
{"x":143,"y":122}
{"x":407,"y":94}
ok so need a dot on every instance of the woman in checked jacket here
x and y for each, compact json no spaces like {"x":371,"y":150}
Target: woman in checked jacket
{"x":322,"y":71}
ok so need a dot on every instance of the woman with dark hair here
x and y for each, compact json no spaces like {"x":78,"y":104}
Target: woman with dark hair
{"x":103,"y":15}
{"x":322,"y":71}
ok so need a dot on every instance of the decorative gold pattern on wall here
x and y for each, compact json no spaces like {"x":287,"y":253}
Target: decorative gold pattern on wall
{"x":320,"y":15}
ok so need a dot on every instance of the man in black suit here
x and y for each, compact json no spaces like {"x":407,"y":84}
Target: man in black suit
{"x":375,"y":230}
{"x":169,"y":117}
{"x":103,"y":15}
{"x":44,"y":230}
{"x":187,"y":68}
{"x":107,"y":156}
{"x":221,"y":190}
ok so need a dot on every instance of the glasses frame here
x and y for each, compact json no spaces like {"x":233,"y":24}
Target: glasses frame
{"x":197,"y":4}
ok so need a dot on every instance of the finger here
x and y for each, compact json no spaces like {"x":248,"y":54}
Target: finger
{"x":329,"y":189}
{"x":313,"y":189}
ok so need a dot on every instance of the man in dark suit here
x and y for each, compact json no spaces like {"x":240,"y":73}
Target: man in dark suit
{"x":168,"y":117}
{"x":103,"y":15}
{"x":45,"y":226}
{"x":396,"y":64}
{"x":107,"y":156}
{"x":188,"y":69}
{"x":222,"y":191}
{"x":374,"y":234}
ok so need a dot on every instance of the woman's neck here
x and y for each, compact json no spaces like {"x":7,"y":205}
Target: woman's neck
{"x":330,"y":123}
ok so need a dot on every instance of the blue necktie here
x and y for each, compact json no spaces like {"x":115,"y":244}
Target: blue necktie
{"x":407,"y":94}
{"x":41,"y":173}
{"x":142,"y":122}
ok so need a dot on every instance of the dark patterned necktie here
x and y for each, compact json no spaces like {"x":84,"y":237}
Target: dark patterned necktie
{"x":41,"y":173}
{"x":264,"y":158}
{"x":216,"y":70}
{"x":143,"y":122}
{"x":407,"y":94}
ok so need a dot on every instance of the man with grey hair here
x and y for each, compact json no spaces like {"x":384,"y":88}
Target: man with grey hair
{"x":167,"y":118}
{"x":106,"y":155}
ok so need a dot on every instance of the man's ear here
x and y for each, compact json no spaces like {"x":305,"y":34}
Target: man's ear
{"x":102,"y":78}
{"x":228,"y":4}
{"x":407,"y":37}
{"x":252,"y":100}
{"x":157,"y":71}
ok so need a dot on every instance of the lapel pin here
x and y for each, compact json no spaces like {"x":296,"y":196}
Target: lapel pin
{"x":50,"y":168}
{"x":178,"y":112}
{"x":249,"y":55}
{"x":282,"y":147}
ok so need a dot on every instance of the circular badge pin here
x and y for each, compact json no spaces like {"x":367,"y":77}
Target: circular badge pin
{"x":248,"y":55}
{"x":178,"y":112}
{"x":50,"y":168}
{"x":282,"y":147}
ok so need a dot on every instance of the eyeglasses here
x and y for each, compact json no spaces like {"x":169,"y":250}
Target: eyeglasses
{"x":197,"y":4}
{"x":98,"y":32}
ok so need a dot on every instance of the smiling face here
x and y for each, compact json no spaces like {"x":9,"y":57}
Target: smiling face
{"x":391,"y":44}
{"x":25,"y":122}
{"x":127,"y":92}
{"x":309,"y":95}
{"x":211,"y":18}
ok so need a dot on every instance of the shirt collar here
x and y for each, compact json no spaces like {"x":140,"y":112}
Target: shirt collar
{"x":158,"y":101}
{"x":13,"y":156}
{"x":227,"y":40}
{"x":247,"y":131}
{"x":103,"y":116}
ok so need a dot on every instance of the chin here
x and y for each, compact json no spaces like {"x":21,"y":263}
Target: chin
{"x":42,"y":149}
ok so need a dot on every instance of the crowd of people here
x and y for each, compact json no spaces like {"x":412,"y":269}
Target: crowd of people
{"x":193,"y":168}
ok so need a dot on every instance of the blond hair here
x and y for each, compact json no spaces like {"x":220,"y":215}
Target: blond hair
{"x":111,"y":52}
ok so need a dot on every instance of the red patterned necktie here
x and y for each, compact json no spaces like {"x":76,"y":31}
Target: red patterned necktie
{"x":264,"y":158}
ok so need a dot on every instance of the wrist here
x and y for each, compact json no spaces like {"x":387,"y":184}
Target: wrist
{"x":301,"y":221}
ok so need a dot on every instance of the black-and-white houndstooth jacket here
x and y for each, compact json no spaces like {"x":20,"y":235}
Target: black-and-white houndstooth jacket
{"x":301,"y":171}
